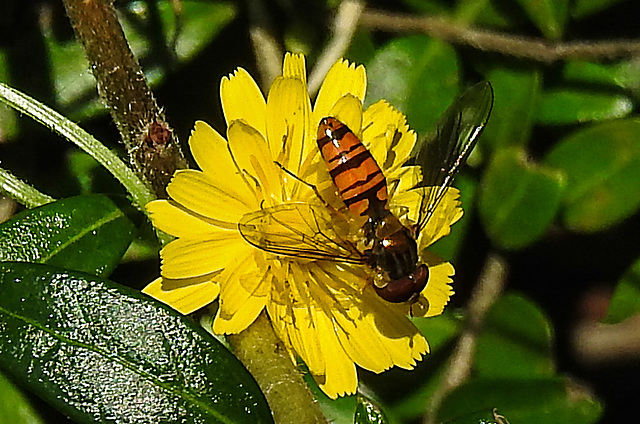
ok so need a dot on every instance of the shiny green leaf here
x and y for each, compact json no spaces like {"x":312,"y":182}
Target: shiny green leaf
{"x":523,"y":401}
{"x":625,"y":302}
{"x":518,"y":201}
{"x":416,"y":74}
{"x":100,"y":352}
{"x":368,"y":412}
{"x":14,"y":407}
{"x":516,"y":93}
{"x":549,"y":16}
{"x":602,"y":166}
{"x":515,"y":341}
{"x":85,"y":233}
{"x":623,"y":74}
{"x":566,"y":106}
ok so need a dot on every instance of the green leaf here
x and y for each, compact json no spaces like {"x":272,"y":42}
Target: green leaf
{"x":100,"y":352}
{"x":523,"y":401}
{"x":567,"y":106}
{"x":549,"y":16}
{"x":515,"y":341}
{"x":584,"y":8}
{"x":518,"y":201}
{"x":516,"y":93}
{"x":85,"y":233}
{"x":625,"y":302}
{"x":602,"y":166}
{"x":8,"y":116}
{"x":448,"y":247}
{"x":416,"y":74}
{"x":623,"y":74}
{"x":368,"y":412}
{"x":14,"y":408}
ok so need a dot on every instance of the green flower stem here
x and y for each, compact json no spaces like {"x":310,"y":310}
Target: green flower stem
{"x":72,"y":132}
{"x":17,"y":189}
{"x":267,"y":359}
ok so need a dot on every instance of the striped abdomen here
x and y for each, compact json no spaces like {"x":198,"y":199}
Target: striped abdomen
{"x":357,"y":176}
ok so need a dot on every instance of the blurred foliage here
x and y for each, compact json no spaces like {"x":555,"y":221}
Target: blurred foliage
{"x":554,"y":186}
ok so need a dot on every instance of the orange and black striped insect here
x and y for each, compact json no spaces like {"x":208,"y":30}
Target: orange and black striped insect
{"x":391,"y":248}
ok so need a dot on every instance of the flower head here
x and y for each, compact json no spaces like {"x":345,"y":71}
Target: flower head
{"x":267,"y":177}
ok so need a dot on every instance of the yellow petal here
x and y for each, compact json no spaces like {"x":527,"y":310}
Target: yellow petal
{"x":184,"y":299}
{"x":340,"y":378}
{"x":251,"y":152}
{"x":343,"y":78}
{"x":211,"y":152}
{"x":387,"y":135}
{"x":294,"y":67}
{"x":305,"y":340}
{"x":401,"y":339}
{"x":288,"y":122}
{"x":173,"y":219}
{"x":438,"y":290}
{"x":444,"y":216}
{"x":242,"y":99}
{"x":242,"y":279}
{"x":234,"y":324}
{"x":192,"y":257}
{"x":194,"y":191}
{"x":348,"y":110}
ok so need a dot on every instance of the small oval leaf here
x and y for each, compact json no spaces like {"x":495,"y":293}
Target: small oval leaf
{"x":14,"y":407}
{"x":549,"y":16}
{"x":515,"y":341}
{"x":416,"y":74}
{"x":85,"y":233}
{"x":516,"y":93}
{"x":625,"y":301}
{"x":564,"y":106}
{"x":602,"y":166}
{"x":518,"y":201}
{"x":524,"y":401}
{"x":100,"y":352}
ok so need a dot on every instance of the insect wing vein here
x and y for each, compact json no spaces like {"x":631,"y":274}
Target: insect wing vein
{"x":457,"y":133}
{"x":300,"y":230}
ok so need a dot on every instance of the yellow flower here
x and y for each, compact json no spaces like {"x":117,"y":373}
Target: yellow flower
{"x":325,"y":311}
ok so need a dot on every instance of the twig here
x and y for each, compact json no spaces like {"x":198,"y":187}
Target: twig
{"x":148,"y":138}
{"x":344,"y":26}
{"x":523,"y":47}
{"x":487,"y":291}
{"x":266,"y":48}
{"x":598,"y":344}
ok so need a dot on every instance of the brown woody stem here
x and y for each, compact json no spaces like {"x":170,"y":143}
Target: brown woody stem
{"x":153,"y":149}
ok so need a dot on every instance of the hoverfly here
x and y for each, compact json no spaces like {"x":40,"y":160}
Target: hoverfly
{"x":390,"y":247}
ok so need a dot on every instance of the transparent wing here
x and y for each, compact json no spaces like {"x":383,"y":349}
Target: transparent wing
{"x":301,"y":230}
{"x":457,"y":133}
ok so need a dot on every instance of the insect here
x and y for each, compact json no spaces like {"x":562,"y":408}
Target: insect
{"x":308,"y":231}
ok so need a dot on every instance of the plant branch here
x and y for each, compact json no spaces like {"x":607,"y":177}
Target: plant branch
{"x":22,"y":192}
{"x":266,"y":48}
{"x":153,"y":149}
{"x":73,"y":133}
{"x":490,"y":285}
{"x":266,"y":358}
{"x":344,"y":26}
{"x":522,"y":47}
